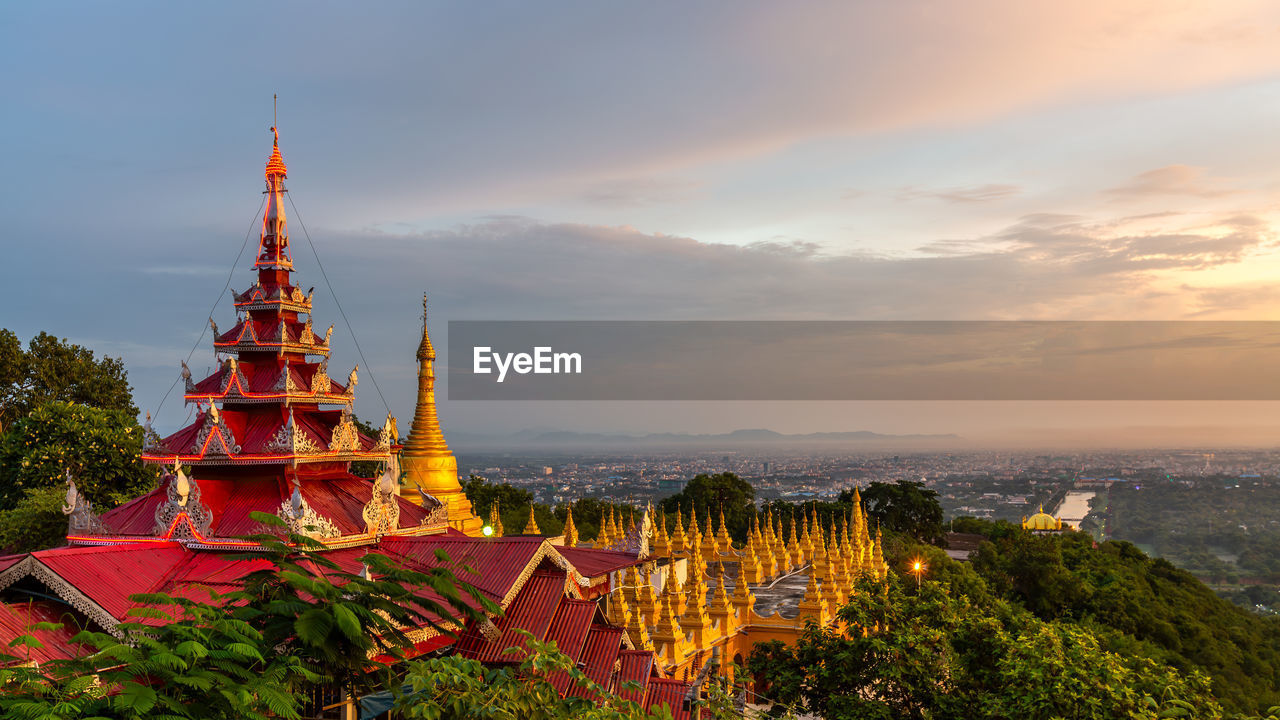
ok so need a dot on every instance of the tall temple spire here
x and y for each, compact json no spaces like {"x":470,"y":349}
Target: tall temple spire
{"x":425,"y":435}
{"x":426,"y":459}
{"x":273,"y":244}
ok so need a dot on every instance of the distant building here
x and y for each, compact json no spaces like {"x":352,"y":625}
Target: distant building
{"x":1043,"y":523}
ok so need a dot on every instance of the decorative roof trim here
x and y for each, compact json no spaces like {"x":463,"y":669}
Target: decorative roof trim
{"x":32,"y":567}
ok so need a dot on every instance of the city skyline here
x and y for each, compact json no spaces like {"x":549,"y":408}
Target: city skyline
{"x":925,"y":161}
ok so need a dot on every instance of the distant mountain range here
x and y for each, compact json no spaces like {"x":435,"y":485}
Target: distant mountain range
{"x":736,"y":440}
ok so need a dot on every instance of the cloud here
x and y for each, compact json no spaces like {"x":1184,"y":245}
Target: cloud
{"x":640,"y":192}
{"x":1171,"y":180}
{"x":969,"y":194}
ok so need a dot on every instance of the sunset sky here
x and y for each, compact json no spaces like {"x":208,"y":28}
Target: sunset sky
{"x":651,"y":161}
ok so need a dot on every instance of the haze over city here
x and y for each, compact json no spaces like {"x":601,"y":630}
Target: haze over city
{"x":1074,"y":161}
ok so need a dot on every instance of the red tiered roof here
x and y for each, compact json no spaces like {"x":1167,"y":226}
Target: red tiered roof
{"x":264,"y":441}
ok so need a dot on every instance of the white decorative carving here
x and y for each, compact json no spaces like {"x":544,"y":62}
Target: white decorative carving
{"x":286,"y":383}
{"x":352,"y":380}
{"x":81,"y":520}
{"x":291,"y":440}
{"x":213,"y":326}
{"x":346,"y":438}
{"x":150,"y":438}
{"x":328,"y":334}
{"x":186,"y":377}
{"x":182,"y":498}
{"x":233,"y":373}
{"x":303,"y":520}
{"x":320,"y":382}
{"x":307,"y":337}
{"x":226,"y":442}
{"x":389,"y":435}
{"x":382,"y":513}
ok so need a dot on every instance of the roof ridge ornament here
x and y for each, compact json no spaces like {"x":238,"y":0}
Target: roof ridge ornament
{"x":382,"y":513}
{"x":183,"y":500}
{"x":81,"y":520}
{"x":302,"y":519}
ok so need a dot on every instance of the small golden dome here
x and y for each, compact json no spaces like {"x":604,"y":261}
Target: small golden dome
{"x":1041,"y":521}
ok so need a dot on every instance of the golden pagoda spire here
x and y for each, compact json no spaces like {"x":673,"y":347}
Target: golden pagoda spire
{"x":619,"y":613}
{"x":877,"y":557}
{"x":710,"y":547}
{"x":751,"y":571}
{"x":646,"y":599}
{"x":570,"y":530}
{"x":868,"y":547}
{"x":661,"y":546}
{"x":694,"y":618}
{"x":678,"y":547}
{"x":723,"y":541}
{"x":820,"y":561}
{"x":721,"y":609}
{"x":812,"y":606}
{"x":836,"y":569}
{"x":780,"y":547}
{"x":637,"y":631}
{"x":669,"y":635}
{"x":531,"y":528}
{"x":426,"y":459}
{"x":794,"y":552}
{"x":743,"y":599}
{"x":674,"y":591}
{"x":495,"y":519}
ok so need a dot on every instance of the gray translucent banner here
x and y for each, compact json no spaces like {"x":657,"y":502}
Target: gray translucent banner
{"x":838,"y":360}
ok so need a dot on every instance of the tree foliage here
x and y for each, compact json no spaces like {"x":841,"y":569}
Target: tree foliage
{"x":35,"y":523}
{"x":713,"y":493}
{"x":905,"y":507}
{"x":53,"y":370}
{"x":1141,"y":606}
{"x":938,"y":655}
{"x":452,"y":688}
{"x":101,"y":448}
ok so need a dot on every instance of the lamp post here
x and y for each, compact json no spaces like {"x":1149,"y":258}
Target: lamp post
{"x":917,"y":568}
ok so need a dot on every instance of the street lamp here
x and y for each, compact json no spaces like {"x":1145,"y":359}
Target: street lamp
{"x":917,"y":568}
{"x":487,"y":530}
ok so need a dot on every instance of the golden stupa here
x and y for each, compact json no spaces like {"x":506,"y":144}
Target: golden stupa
{"x":427,"y":464}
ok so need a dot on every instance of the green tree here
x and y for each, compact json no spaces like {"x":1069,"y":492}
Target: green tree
{"x":712,"y":493}
{"x":35,"y":523}
{"x":334,"y":620}
{"x":180,"y":658}
{"x":52,"y":370}
{"x":455,"y":688}
{"x":101,"y":448}
{"x":934,"y":655}
{"x":905,"y":507}
{"x":483,"y":494}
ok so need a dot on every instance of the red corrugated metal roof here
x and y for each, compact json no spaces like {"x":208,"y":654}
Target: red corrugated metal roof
{"x":637,"y":666}
{"x":109,"y":575}
{"x":17,"y":619}
{"x":599,"y":655}
{"x":340,"y":497}
{"x":593,"y":563}
{"x":531,"y":610}
{"x":569,"y":630}
{"x":497,"y":562}
{"x":663,"y":691}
